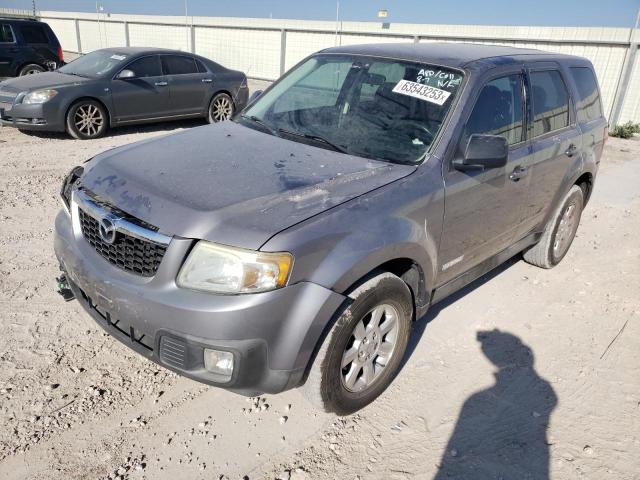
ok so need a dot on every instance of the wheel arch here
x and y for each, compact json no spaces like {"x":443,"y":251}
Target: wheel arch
{"x":585,"y":182}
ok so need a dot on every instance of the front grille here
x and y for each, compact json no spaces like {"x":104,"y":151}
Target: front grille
{"x":131,"y":254}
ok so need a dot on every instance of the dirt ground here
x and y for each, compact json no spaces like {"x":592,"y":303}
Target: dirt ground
{"x":486,"y":372}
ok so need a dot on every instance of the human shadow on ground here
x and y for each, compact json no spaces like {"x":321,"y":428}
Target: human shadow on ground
{"x":501,"y":432}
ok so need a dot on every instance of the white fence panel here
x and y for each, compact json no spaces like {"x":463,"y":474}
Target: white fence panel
{"x":256,"y":52}
{"x":65,"y":30}
{"x":176,"y":37}
{"x":631,"y":105}
{"x":95,"y":35}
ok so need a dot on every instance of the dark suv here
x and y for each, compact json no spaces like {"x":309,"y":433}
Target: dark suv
{"x":27,"y":47}
{"x":296,"y":245}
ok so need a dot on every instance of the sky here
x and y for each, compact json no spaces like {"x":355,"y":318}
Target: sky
{"x":611,"y":13}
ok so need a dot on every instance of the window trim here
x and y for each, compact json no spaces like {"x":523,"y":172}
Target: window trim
{"x":570,"y":104}
{"x":131,"y":62}
{"x":197,"y":72}
{"x":13,"y":33}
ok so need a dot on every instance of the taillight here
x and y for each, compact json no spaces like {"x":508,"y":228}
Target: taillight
{"x":60,"y":55}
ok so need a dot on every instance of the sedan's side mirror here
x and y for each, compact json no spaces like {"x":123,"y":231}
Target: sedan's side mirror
{"x":255,"y":95}
{"x":126,"y":74}
{"x":484,"y":151}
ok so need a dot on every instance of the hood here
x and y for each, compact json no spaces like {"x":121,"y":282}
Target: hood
{"x":41,"y":80}
{"x":230,"y":184}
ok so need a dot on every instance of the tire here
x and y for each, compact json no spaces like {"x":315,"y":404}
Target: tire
{"x":221,"y":108}
{"x":332,"y":388}
{"x":86,"y":120}
{"x":559,"y":232}
{"x":30,"y":69}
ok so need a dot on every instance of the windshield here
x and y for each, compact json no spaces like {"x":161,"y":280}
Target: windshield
{"x":94,"y":64}
{"x":372,"y":107}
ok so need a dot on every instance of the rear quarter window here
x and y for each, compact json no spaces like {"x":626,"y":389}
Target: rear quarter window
{"x":550,"y":102}
{"x":6,"y":34}
{"x":588,"y":104}
{"x":34,"y":34}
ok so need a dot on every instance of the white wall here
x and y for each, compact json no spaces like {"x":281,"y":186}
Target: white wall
{"x":255,"y":45}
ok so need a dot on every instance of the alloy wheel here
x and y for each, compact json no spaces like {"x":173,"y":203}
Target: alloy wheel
{"x":221,"y":109}
{"x":88,"y":120}
{"x":566,"y":227}
{"x":370,"y":348}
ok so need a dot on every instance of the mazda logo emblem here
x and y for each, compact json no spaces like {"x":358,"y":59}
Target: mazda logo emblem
{"x":107,"y":230}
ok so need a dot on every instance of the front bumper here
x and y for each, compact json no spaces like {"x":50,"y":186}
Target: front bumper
{"x":272,"y":335}
{"x":38,"y":117}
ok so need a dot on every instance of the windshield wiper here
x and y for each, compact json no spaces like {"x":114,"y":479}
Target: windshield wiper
{"x":316,"y":138}
{"x":260,"y":122}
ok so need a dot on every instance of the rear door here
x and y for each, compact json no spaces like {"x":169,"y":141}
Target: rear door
{"x":188,"y":85}
{"x":483,"y":208}
{"x":555,"y":139}
{"x":38,"y":47}
{"x":145,"y":96}
{"x":8,"y":49}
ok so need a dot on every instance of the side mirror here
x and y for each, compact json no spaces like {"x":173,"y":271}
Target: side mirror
{"x":483,"y":151}
{"x":255,"y":95}
{"x":126,"y":74}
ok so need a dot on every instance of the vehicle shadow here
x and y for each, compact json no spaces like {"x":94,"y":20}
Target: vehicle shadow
{"x":501,"y":431}
{"x":128,"y":130}
{"x":421,"y":324}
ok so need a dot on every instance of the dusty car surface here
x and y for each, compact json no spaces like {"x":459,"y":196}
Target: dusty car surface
{"x":296,"y":245}
{"x":122,"y":86}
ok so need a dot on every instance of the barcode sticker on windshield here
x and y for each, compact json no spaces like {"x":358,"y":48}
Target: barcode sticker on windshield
{"x":423,"y":92}
{"x":118,"y":57}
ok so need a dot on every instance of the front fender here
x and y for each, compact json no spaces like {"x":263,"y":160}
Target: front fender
{"x":402,"y":220}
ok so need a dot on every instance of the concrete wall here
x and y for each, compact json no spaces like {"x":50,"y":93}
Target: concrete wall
{"x":265,"y":48}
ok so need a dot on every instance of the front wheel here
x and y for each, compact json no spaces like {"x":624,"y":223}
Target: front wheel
{"x":220,"y":109}
{"x":559,"y":233}
{"x":86,"y":120}
{"x":362,"y":352}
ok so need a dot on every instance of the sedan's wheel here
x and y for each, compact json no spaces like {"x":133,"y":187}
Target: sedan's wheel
{"x":363,"y":349}
{"x":87,"y":119}
{"x":30,"y":69}
{"x":220,"y":108}
{"x":560,"y":231}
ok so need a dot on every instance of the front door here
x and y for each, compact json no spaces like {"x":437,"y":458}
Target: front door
{"x":483,"y":208}
{"x":145,"y":95}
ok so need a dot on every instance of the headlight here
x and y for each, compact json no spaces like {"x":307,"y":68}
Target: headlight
{"x":39,"y":96}
{"x":220,"y":269}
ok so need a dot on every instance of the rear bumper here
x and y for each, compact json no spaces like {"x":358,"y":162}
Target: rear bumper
{"x":42,"y":117}
{"x":271,"y":335}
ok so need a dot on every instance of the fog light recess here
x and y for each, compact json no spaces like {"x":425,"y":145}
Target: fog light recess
{"x":218,"y":362}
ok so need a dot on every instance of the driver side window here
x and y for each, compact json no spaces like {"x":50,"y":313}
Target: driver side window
{"x":498,"y":111}
{"x":146,"y":67}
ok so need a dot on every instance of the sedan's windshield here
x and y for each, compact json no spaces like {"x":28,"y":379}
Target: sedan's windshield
{"x":94,"y":64}
{"x":372,"y":107}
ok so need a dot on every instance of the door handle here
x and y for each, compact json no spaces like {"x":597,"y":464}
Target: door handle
{"x":206,"y":80}
{"x":161,"y":84}
{"x":518,"y":173}
{"x":571,"y":151}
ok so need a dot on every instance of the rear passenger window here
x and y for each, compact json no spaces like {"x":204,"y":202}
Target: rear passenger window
{"x":6,"y":34}
{"x":145,"y":67}
{"x":550,"y":102}
{"x":588,"y":105}
{"x":34,"y":34}
{"x":498,"y":110}
{"x":178,"y":65}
